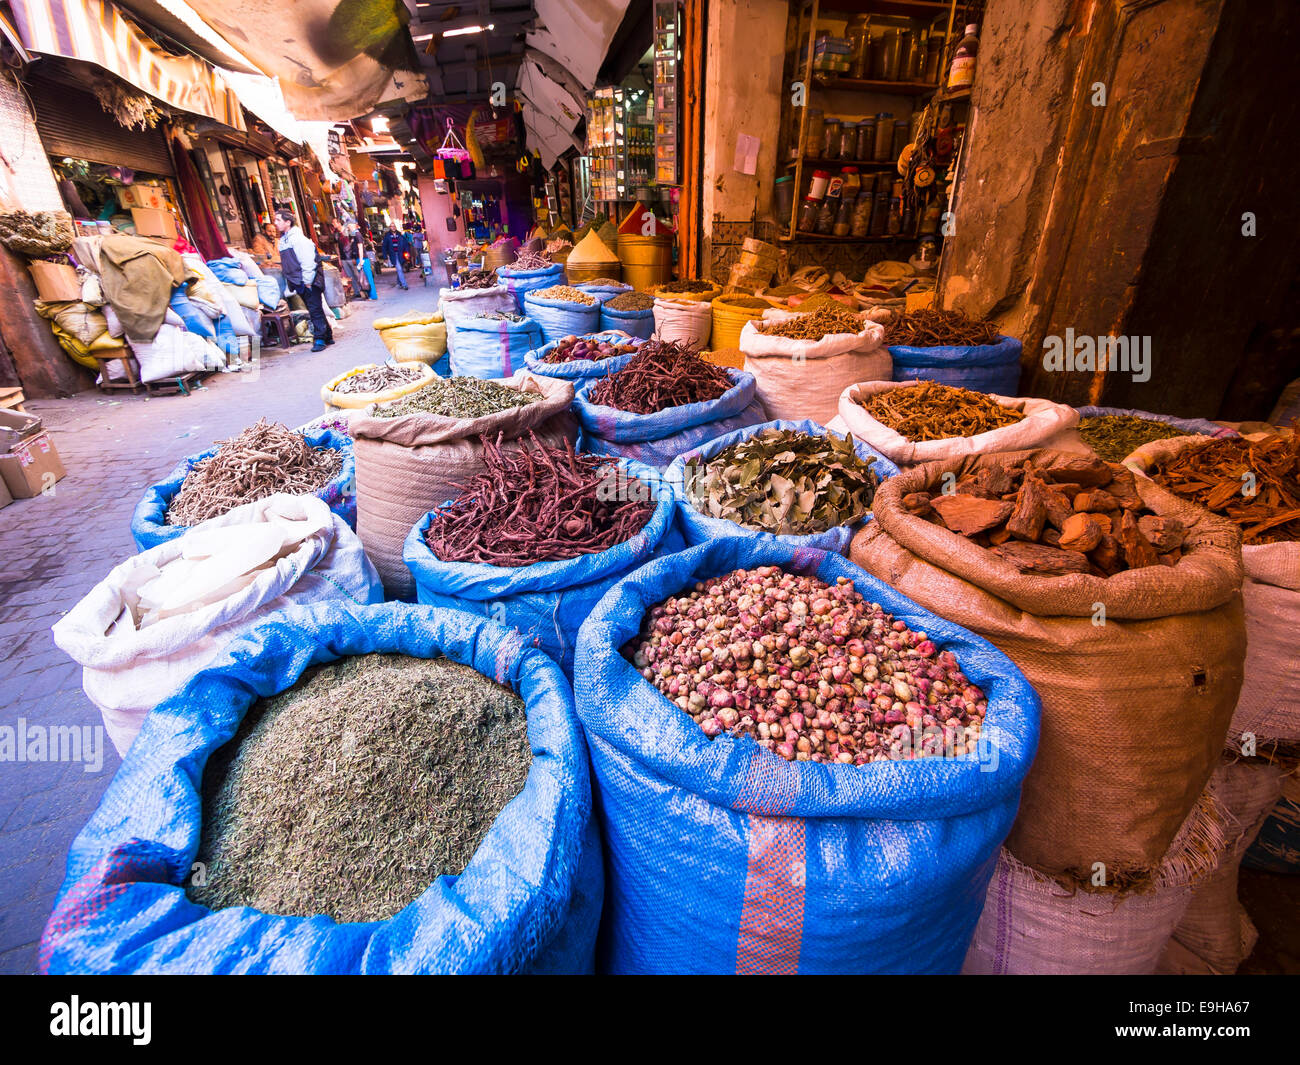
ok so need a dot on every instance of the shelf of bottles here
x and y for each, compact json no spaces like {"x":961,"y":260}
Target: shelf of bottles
{"x":667,"y":67}
{"x":620,"y":142}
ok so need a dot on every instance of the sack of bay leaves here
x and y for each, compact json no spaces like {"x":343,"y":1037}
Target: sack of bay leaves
{"x":345,"y":790}
{"x":1254,"y":483}
{"x":922,"y":421}
{"x":796,"y":482}
{"x":414,"y":453}
{"x":539,"y":536}
{"x":1138,"y":671}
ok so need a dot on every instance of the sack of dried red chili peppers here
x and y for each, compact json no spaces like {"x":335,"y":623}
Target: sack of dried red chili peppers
{"x":537,"y":538}
{"x":665,"y":401}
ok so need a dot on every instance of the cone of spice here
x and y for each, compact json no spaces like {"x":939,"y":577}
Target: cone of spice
{"x":591,"y":259}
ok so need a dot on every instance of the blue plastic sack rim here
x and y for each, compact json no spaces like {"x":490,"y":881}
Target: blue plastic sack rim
{"x":568,"y":305}
{"x":1006,"y":350}
{"x":736,"y":772}
{"x":633,"y":428}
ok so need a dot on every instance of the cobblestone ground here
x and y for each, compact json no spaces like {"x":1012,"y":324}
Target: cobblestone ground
{"x":55,"y":549}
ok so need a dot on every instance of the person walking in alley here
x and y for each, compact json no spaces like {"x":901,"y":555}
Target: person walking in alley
{"x":303,"y":275}
{"x":352,"y":257}
{"x":392,"y":250}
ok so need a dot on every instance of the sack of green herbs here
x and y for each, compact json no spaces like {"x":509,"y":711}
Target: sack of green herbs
{"x":345,"y":790}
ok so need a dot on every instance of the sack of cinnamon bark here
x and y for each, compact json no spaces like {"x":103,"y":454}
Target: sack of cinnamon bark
{"x":1253,"y":482}
{"x":412,"y":462}
{"x":1122,"y":605}
{"x":912,"y":422}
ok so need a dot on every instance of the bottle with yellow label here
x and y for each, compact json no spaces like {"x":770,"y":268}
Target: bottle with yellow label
{"x":961,"y":75}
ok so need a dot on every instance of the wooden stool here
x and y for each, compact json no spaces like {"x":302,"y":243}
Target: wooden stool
{"x":129,"y":366}
{"x":277,"y":329}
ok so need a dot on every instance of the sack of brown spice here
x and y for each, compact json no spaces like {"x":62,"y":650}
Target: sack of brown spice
{"x":440,"y":809}
{"x":948,"y":347}
{"x":924,"y":421}
{"x":406,"y":465}
{"x":259,"y":462}
{"x":537,"y":538}
{"x":677,"y":400}
{"x":1253,"y":482}
{"x":1138,"y":671}
{"x":802,"y":362}
{"x":526,"y":274}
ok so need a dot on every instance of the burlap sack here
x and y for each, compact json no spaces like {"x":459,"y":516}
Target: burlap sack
{"x":1269,"y":706}
{"x":1045,"y":424}
{"x":408,"y":465}
{"x":1135,"y":710}
{"x":1215,"y":934}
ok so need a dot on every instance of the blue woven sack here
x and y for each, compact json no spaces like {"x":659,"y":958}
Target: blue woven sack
{"x":229,"y":271}
{"x":521,"y":282}
{"x":226,"y":337}
{"x":580,"y":369}
{"x":722,"y":857}
{"x":656,"y":439}
{"x":148,"y":528}
{"x":547,"y":601}
{"x":195,"y":320}
{"x":603,"y":292}
{"x":560,"y":318}
{"x":700,"y":528}
{"x":634,"y":323}
{"x":1197,"y":426}
{"x":491,"y":349}
{"x":528,"y":901}
{"x":980,"y":367}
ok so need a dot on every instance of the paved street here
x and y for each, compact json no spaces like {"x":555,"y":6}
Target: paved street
{"x":55,"y":549}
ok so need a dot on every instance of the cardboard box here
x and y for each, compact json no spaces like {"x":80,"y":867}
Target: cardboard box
{"x":5,"y":497}
{"x":55,"y":282}
{"x":31,"y":465}
{"x":150,"y":222}
{"x":150,"y":196}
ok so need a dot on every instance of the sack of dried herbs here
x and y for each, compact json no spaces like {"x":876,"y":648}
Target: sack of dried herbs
{"x":1029,"y":422}
{"x":549,"y":599}
{"x":948,"y":347}
{"x":407,"y":465}
{"x":657,"y":438}
{"x":149,"y":525}
{"x":1138,"y":672}
{"x":367,"y":384}
{"x":527,"y":901}
{"x":751,"y":826}
{"x":492,"y":348}
{"x":802,"y":377}
{"x":797,"y":476}
{"x":458,"y":304}
{"x":161,"y":616}
{"x":1219,"y":474}
{"x":1116,"y":432}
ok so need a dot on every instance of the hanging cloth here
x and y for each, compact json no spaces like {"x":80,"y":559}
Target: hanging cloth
{"x":203,"y":224}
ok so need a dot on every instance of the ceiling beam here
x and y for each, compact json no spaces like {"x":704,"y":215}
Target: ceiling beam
{"x":507,"y":22}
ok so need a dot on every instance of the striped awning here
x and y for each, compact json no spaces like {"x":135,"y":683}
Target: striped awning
{"x":94,"y":31}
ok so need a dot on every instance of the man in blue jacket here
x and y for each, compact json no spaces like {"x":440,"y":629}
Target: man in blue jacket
{"x":391,"y":249}
{"x":303,"y":274}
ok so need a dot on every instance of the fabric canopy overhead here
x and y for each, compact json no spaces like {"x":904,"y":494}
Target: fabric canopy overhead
{"x":335,"y":59}
{"x":95,"y":31}
{"x":551,"y":113}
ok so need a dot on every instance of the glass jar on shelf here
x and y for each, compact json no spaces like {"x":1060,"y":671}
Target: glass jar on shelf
{"x":830,"y":145}
{"x":816,"y":130}
{"x":900,"y":139}
{"x":860,"y":224}
{"x":884,"y":137}
{"x":892,"y":55}
{"x":808,"y":215}
{"x":848,"y":140}
{"x":865,"y":143}
{"x":859,"y":35}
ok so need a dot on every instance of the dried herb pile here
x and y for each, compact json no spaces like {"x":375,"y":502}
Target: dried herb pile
{"x":662,"y":374}
{"x":458,"y":397}
{"x":539,"y":504}
{"x":264,"y":459}
{"x":353,"y":791}
{"x":478,"y":279}
{"x":823,"y":322}
{"x":378,"y":379}
{"x":1080,"y":515}
{"x":566,"y":294}
{"x":686,"y":286}
{"x":931,"y":411}
{"x":557,"y":245}
{"x":1215,"y":476}
{"x":575,"y":348}
{"x":931,"y":328}
{"x":501,"y":316}
{"x":1116,"y":436}
{"x":531,"y":260}
{"x":784,"y":482}
{"x":630,"y":301}
{"x":608,"y":282}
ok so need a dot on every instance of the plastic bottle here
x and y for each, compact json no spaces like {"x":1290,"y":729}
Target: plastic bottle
{"x":961,"y":75}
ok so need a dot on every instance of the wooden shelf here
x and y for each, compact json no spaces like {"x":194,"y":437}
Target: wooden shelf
{"x":884,"y":88}
{"x":861,"y":164}
{"x":817,"y":238}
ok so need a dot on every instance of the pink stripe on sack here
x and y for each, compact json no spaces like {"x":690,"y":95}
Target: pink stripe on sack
{"x":503,"y":331}
{"x":771,"y":920}
{"x":770,"y":787}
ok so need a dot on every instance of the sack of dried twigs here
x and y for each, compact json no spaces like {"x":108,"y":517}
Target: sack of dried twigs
{"x":803,"y":378}
{"x":1269,"y":707}
{"x":409,"y":464}
{"x":1138,"y":671}
{"x":1041,"y":423}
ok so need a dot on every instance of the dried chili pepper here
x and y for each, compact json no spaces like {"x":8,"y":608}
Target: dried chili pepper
{"x":662,"y":374}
